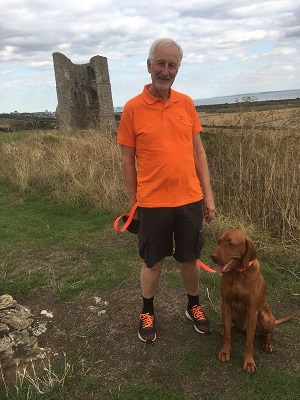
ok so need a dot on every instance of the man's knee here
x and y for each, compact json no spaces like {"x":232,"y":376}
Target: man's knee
{"x":190,"y":264}
{"x":156,"y":267}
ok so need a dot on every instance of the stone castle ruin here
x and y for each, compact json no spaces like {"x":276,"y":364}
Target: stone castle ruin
{"x":84,"y":94}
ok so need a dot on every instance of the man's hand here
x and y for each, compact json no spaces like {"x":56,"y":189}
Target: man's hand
{"x":209,"y":211}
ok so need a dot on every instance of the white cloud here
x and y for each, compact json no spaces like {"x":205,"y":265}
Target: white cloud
{"x":7,"y":52}
{"x":38,"y":64}
{"x":220,"y":38}
{"x":238,"y":36}
{"x":284,"y":51}
{"x":193,"y":58}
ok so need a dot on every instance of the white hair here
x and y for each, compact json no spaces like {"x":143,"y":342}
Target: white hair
{"x":166,"y":42}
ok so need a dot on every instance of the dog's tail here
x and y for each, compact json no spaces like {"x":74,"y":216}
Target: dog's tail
{"x":285,"y":319}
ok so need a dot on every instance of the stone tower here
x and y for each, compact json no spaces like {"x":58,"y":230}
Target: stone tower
{"x":84,"y":94}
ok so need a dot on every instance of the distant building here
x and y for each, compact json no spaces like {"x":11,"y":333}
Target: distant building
{"x":84,"y":94}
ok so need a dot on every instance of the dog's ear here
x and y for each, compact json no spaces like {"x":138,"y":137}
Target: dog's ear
{"x":250,"y":254}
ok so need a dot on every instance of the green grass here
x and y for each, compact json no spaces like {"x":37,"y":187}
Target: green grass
{"x":97,"y":275}
{"x":39,"y":224}
{"x":62,"y":237}
{"x":61,"y":257}
{"x":144,"y":391}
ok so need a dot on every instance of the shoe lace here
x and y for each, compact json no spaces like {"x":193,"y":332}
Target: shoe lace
{"x":198,"y":313}
{"x":147,"y":320}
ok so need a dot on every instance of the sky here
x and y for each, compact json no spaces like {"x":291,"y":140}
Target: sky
{"x":230,"y":47}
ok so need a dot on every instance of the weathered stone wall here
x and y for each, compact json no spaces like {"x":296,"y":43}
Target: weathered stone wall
{"x":84,"y":94}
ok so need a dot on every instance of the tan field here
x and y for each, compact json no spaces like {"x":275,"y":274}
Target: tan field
{"x":271,"y":118}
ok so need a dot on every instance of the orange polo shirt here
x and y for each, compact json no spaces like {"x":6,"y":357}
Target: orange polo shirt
{"x":162,"y":134}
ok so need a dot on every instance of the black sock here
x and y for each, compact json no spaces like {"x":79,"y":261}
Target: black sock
{"x":148,"y":306}
{"x":193,"y":300}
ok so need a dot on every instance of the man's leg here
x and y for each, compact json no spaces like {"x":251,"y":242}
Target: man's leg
{"x":149,"y":284}
{"x":155,"y":243}
{"x":190,"y":273}
{"x":150,"y":279}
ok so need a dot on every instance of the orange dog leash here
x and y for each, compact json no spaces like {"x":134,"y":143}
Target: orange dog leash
{"x":206,"y":267}
{"x":129,"y":216}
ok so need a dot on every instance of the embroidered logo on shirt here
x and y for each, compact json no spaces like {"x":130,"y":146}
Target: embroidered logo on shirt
{"x":182,"y":117}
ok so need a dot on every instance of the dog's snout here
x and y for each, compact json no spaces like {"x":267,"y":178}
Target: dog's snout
{"x":214,"y":257}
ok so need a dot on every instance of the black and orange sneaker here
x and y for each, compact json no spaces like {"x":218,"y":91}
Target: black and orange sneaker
{"x":201,"y":323}
{"x":146,"y":330}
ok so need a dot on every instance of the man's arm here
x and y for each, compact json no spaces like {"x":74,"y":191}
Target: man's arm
{"x":129,"y":172}
{"x":204,"y":178}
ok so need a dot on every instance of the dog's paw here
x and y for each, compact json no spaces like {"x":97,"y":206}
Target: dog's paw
{"x":224,"y":356}
{"x":249,"y":366}
{"x":267,"y":345}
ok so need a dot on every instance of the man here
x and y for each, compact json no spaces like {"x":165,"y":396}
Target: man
{"x":166,"y":173}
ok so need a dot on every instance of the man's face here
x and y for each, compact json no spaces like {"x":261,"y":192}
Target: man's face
{"x":164,"y":66}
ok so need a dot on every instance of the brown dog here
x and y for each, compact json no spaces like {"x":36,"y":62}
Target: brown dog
{"x":243,"y":291}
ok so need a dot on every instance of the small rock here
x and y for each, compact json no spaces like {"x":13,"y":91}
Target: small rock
{"x":47,"y":314}
{"x":4,"y":329}
{"x":18,"y":318}
{"x":39,"y":329}
{"x":6,"y":301}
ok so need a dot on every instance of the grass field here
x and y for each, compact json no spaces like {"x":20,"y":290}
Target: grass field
{"x":70,"y":261}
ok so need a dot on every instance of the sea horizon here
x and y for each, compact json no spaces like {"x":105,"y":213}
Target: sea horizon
{"x":255,"y":96}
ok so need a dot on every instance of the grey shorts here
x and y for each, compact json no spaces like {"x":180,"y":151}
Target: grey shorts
{"x":168,"y":231}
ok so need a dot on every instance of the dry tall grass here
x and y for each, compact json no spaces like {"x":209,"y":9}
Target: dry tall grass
{"x":33,"y":382}
{"x":254,"y":169}
{"x":78,"y":170}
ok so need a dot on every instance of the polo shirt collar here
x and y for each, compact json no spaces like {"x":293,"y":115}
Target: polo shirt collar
{"x":149,"y":99}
